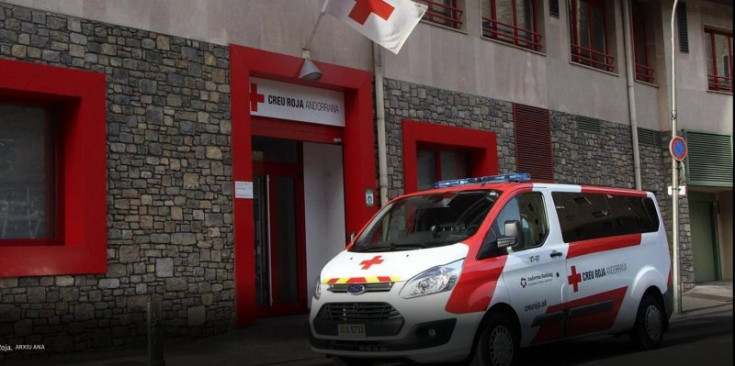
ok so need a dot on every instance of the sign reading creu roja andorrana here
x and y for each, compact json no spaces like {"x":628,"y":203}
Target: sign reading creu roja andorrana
{"x":294,"y":102}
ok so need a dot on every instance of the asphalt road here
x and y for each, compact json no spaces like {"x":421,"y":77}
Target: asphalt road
{"x":702,"y":341}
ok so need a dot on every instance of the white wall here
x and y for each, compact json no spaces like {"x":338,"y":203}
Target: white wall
{"x":324,"y":207}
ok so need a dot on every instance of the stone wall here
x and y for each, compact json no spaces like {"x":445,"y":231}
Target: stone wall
{"x":169,"y":178}
{"x":404,"y":100}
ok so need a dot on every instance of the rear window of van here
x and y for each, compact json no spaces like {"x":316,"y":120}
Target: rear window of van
{"x":585,"y":216}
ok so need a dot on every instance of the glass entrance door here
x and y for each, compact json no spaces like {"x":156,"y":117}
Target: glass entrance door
{"x":279,"y":238}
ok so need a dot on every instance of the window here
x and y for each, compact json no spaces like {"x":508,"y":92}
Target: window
{"x":27,"y":175}
{"x":584,"y":216}
{"x":429,"y":220}
{"x":526,"y":208}
{"x":445,"y":152}
{"x":641,"y":44}
{"x":512,"y":21}
{"x":718,"y":48}
{"x":589,"y":34}
{"x":444,"y":12}
{"x":52,"y":171}
{"x":436,"y":165}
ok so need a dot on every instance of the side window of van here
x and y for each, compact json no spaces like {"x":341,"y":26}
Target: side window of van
{"x":529,"y":210}
{"x":591,"y":216}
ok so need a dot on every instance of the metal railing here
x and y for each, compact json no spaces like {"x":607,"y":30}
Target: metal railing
{"x":719,"y":83}
{"x":447,"y":15}
{"x":522,"y":37}
{"x":590,"y":57}
{"x":643,"y":73}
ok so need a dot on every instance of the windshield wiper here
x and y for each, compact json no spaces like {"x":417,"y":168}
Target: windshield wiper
{"x":392,"y":247}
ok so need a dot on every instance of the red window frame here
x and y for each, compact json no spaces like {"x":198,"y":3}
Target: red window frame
{"x":482,"y":146}
{"x":52,"y":138}
{"x":490,"y":27}
{"x":717,"y":81}
{"x":643,"y":69}
{"x":587,"y":55}
{"x":78,"y":99}
{"x":449,"y":15}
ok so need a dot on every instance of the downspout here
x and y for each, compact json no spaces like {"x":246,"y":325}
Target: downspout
{"x":630,"y":68}
{"x":380,"y":116}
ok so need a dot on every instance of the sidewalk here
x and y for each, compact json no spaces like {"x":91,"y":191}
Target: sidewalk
{"x":705,"y":298}
{"x":283,"y":341}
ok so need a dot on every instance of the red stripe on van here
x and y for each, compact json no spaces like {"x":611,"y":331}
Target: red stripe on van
{"x":357,"y":280}
{"x":594,"y":322}
{"x":476,"y":285}
{"x":613,"y":191}
{"x":584,"y":247}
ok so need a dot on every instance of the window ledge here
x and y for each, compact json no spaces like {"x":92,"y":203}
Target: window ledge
{"x":460,"y":31}
{"x":612,"y":73}
{"x":653,"y":85}
{"x":722,"y":92}
{"x":531,"y":50}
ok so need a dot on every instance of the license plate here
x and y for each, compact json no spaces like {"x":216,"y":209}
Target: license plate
{"x":351,"y":330}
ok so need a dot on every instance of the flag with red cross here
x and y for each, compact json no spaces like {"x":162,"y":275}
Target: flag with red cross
{"x":386,"y":22}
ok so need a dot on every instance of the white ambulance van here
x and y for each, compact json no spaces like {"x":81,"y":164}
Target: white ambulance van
{"x":480,"y":267}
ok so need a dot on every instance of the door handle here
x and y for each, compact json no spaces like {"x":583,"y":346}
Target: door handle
{"x":554,"y":253}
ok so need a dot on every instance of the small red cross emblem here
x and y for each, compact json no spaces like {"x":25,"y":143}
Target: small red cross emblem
{"x":255,"y":98}
{"x":363,"y":9}
{"x":575,"y":278}
{"x":376,"y":260}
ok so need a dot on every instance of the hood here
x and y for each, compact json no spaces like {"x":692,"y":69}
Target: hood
{"x":399,"y":266}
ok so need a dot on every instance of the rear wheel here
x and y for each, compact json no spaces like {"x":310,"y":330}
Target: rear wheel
{"x":648,"y":331}
{"x":497,"y":344}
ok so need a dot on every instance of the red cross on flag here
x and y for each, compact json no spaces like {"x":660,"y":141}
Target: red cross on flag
{"x":386,"y":22}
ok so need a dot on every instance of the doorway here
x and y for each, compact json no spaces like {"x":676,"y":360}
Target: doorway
{"x":278,"y":205}
{"x":702,"y":216}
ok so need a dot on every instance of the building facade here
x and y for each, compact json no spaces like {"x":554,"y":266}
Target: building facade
{"x":169,"y":149}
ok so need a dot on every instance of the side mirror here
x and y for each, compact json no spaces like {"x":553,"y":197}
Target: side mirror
{"x":512,"y":234}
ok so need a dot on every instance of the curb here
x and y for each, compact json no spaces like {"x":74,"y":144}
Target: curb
{"x":687,"y":314}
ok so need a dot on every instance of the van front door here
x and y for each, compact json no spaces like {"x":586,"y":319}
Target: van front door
{"x":534,"y":269}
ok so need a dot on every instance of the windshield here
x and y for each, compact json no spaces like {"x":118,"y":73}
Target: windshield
{"x":426,"y":221}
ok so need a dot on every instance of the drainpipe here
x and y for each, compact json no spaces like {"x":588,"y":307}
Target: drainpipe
{"x":630,"y":68}
{"x":380,"y":116}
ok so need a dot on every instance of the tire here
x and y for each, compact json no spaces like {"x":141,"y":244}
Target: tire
{"x":648,"y":331}
{"x":497,"y":344}
{"x":349,"y":361}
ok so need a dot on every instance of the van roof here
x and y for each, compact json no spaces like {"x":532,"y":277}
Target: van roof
{"x":506,"y":186}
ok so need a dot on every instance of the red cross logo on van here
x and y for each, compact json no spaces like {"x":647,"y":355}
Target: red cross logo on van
{"x":575,"y":278}
{"x":367,"y":263}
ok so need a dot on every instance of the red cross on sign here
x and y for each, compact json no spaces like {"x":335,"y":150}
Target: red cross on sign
{"x":363,"y":9}
{"x":255,"y":98}
{"x":575,"y":278}
{"x":367,"y":263}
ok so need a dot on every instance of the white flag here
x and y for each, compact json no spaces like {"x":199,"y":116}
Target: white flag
{"x":386,"y":22}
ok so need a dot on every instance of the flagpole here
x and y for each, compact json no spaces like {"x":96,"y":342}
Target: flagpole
{"x":307,"y":48}
{"x":380,"y":121}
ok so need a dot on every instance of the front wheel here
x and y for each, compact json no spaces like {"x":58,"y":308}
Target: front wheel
{"x":497,"y":344}
{"x":648,"y":331}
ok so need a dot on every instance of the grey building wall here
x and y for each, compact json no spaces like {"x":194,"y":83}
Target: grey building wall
{"x":169,"y":199}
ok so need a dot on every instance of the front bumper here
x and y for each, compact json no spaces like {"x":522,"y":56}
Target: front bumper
{"x":419,"y":329}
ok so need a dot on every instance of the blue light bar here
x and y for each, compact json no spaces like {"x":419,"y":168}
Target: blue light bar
{"x":503,"y":178}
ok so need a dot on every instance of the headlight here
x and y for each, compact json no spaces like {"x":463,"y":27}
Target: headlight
{"x":433,"y":280}
{"x":318,"y":288}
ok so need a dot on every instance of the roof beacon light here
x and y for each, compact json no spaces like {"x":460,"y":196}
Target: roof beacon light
{"x":503,"y":178}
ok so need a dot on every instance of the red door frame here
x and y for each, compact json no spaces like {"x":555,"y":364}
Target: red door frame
{"x":294,"y":171}
{"x":359,"y":155}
